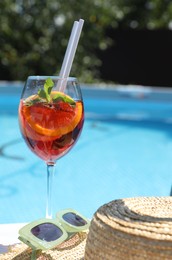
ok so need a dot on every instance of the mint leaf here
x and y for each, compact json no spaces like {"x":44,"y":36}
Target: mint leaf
{"x":45,"y":93}
{"x":49,"y":82}
{"x":69,"y":100}
{"x":48,"y":87}
{"x":42,"y":94}
{"x":58,"y":97}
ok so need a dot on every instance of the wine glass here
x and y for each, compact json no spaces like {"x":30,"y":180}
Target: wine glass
{"x":50,"y":120}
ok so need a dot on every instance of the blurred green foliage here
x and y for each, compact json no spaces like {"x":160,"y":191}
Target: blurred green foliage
{"x":34,"y":33}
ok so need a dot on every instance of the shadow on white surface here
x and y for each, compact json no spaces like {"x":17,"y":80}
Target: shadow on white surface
{"x":9,"y":235}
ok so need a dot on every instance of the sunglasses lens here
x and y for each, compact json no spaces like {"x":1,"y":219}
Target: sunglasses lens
{"x":47,"y":232}
{"x":74,"y":219}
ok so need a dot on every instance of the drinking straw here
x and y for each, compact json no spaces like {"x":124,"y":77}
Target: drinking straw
{"x":69,"y":55}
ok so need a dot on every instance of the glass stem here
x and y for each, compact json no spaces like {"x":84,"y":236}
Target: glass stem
{"x":50,"y":174}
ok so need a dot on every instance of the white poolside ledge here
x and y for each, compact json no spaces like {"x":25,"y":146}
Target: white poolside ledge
{"x":9,"y":233}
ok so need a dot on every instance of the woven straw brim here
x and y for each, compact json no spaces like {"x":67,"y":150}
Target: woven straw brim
{"x":130,"y":229}
{"x":73,"y":249}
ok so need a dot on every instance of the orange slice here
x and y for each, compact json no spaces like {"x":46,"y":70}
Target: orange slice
{"x":27,"y":131}
{"x":54,"y":119}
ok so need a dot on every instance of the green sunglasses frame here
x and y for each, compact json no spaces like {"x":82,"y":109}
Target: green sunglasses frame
{"x":67,"y":229}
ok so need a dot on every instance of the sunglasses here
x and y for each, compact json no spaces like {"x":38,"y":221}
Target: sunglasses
{"x":46,"y":233}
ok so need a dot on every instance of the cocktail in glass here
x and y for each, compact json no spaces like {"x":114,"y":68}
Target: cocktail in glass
{"x":50,"y":120}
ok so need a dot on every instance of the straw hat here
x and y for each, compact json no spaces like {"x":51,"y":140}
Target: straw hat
{"x":73,"y":249}
{"x":134,"y":228}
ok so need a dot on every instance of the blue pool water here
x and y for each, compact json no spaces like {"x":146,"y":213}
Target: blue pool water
{"x":125,"y":150}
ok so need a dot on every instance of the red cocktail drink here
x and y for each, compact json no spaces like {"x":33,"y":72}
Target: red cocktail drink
{"x":51,"y":129}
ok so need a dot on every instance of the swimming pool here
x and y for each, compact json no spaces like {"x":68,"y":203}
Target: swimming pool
{"x":125,"y":150}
